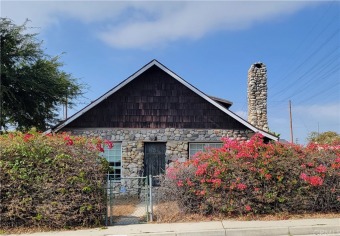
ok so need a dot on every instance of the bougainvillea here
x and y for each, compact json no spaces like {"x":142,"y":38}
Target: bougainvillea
{"x":251,"y":177}
{"x":53,"y":181}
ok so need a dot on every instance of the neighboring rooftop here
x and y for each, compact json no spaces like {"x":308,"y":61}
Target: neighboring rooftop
{"x":222,"y":101}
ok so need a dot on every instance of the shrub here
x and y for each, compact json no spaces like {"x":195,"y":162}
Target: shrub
{"x":53,"y":181}
{"x":253,"y":177}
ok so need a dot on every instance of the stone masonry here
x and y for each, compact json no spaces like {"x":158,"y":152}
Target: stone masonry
{"x":132,"y":140}
{"x":177,"y":142}
{"x":257,"y":96}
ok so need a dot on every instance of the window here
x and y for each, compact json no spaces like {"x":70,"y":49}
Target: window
{"x":198,"y":147}
{"x":114,"y":157}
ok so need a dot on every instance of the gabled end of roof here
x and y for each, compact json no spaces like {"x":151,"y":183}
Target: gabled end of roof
{"x":222,"y":104}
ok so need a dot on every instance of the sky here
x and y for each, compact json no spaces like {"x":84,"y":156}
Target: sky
{"x":210,"y":44}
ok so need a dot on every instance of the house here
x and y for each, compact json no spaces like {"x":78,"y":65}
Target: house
{"x":155,"y":117}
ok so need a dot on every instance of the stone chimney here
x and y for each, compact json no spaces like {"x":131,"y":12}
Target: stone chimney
{"x":257,"y":96}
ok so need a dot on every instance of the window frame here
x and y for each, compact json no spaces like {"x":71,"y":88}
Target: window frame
{"x":114,"y":177}
{"x":205,"y":145}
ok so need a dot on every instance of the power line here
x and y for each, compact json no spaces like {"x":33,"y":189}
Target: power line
{"x":320,"y":92}
{"x":306,"y":60}
{"x":313,"y":80}
{"x":307,"y":36}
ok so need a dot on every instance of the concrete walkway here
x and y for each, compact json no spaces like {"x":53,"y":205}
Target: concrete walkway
{"x":135,"y":217}
{"x":215,"y":228}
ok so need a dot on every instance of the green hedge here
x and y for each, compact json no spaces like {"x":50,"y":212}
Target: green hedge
{"x":256,"y":178}
{"x":51,"y":181}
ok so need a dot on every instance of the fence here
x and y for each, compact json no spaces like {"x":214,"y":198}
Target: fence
{"x":164,"y":200}
{"x":131,"y":200}
{"x":127,"y":201}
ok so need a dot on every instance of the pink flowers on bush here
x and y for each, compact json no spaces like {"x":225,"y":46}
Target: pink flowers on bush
{"x":27,"y":137}
{"x":68,"y":140}
{"x":321,"y":169}
{"x":241,"y":186}
{"x":95,"y":144}
{"x":247,"y":208}
{"x":201,"y":169}
{"x":281,"y":177}
{"x":313,"y":180}
{"x":304,"y":176}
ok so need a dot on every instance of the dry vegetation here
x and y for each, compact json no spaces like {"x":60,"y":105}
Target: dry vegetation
{"x":170,"y":212}
{"x":123,"y":207}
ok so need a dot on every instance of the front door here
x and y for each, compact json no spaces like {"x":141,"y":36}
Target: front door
{"x":154,"y":158}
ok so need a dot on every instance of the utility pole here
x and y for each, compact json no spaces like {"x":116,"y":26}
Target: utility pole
{"x":291,"y":122}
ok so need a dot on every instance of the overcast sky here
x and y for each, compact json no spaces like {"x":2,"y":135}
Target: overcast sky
{"x":210,"y":44}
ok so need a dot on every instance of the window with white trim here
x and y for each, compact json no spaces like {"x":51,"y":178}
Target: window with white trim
{"x":201,"y":147}
{"x":114,"y":157}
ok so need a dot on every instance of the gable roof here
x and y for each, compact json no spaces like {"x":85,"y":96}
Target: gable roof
{"x":213,"y":100}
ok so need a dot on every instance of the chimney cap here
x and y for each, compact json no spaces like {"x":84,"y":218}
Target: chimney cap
{"x":259,"y":65}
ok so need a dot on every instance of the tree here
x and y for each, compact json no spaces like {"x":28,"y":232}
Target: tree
{"x":329,"y":137}
{"x":32,"y":84}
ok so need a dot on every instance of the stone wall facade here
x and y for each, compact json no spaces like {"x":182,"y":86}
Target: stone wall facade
{"x":177,"y":142}
{"x":257,"y":96}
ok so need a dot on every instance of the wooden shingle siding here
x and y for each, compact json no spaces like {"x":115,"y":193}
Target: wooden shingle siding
{"x":155,"y":100}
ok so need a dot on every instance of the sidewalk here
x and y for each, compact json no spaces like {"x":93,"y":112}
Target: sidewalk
{"x":214,"y":228}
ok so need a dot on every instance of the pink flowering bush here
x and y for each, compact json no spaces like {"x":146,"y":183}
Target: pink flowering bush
{"x":256,"y":178}
{"x":53,"y":181}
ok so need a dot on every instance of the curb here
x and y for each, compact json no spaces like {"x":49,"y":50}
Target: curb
{"x":305,"y":227}
{"x":315,"y":230}
{"x":270,"y":231}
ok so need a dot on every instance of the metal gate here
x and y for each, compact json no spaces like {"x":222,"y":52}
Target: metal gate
{"x":128,"y":201}
{"x":132,"y":200}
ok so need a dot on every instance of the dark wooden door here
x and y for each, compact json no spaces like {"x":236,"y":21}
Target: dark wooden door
{"x":154,"y":158}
